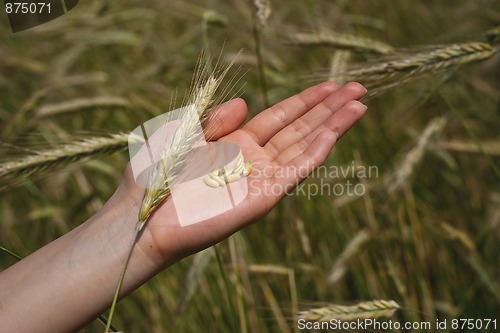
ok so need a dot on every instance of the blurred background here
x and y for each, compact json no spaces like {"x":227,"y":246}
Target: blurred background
{"x":422,"y":229}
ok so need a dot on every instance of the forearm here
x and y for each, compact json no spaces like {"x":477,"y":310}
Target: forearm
{"x":70,"y":281}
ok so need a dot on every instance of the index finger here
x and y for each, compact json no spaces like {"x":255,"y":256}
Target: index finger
{"x":272,"y":120}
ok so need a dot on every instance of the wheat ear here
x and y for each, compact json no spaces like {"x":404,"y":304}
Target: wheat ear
{"x":263,"y":11}
{"x":403,"y":66}
{"x":400,"y":177}
{"x":338,"y":65}
{"x":364,"y":310}
{"x":80,"y":104}
{"x":172,"y":159}
{"x":49,"y":159}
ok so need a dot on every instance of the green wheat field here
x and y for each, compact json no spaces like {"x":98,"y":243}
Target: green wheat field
{"x":406,"y":210}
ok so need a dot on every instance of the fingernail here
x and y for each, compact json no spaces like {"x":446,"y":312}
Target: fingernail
{"x":336,"y":135}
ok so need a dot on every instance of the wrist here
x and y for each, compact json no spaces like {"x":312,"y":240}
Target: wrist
{"x":113,"y":226}
{"x":149,"y":253}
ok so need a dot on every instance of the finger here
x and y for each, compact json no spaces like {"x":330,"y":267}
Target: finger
{"x":340,"y":122}
{"x":225,"y":119}
{"x":269,"y":122}
{"x":343,"y":120}
{"x":314,"y":119}
{"x":303,"y":165}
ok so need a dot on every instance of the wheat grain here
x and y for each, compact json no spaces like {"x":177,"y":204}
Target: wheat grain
{"x":225,"y":175}
{"x":366,"y":310}
{"x":215,"y":172}
{"x":248,"y":168}
{"x":217,"y":179}
{"x":238,"y":169}
{"x":232,"y":178}
{"x":211,"y":182}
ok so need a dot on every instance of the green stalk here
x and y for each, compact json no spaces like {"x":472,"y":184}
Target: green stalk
{"x":260,"y":61}
{"x":9,"y":252}
{"x":470,"y":133}
{"x":137,"y":229}
{"x":220,"y":264}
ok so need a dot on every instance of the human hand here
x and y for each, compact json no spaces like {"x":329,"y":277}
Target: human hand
{"x":285,"y":143}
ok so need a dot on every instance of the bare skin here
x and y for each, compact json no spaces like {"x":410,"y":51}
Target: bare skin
{"x":69,"y":282}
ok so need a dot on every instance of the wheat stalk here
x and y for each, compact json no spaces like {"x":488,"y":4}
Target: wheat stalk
{"x":192,"y":280}
{"x":263,"y":11}
{"x":340,"y":266}
{"x":365,"y":310}
{"x":50,"y":159}
{"x":396,"y":180}
{"x":80,"y":104}
{"x":338,"y":65}
{"x":341,"y":41}
{"x":403,"y":66}
{"x":491,"y":147}
{"x":173,"y":158}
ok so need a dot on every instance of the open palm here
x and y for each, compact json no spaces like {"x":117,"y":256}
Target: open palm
{"x":285,"y":143}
